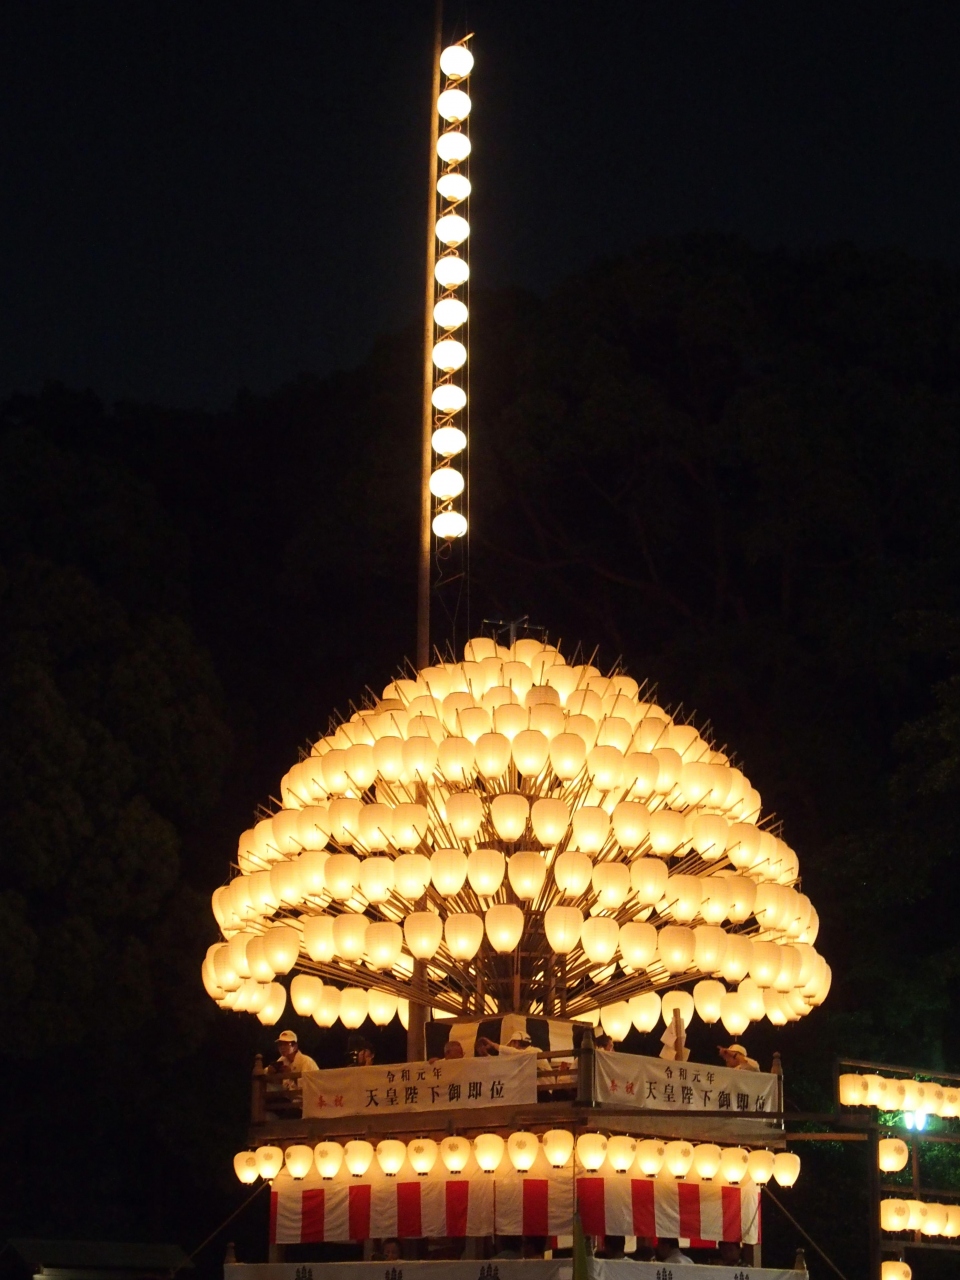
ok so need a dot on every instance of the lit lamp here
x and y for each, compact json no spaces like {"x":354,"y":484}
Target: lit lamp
{"x":786,"y":1168}
{"x":488,"y":1149}
{"x":650,"y":1156}
{"x":760,"y":1166}
{"x":706,"y":1159}
{"x":455,"y":1152}
{"x":269,"y":1162}
{"x":892,"y":1154}
{"x":299,"y":1160}
{"x":894,"y":1215}
{"x":522,"y":1149}
{"x":853,"y":1090}
{"x":734,"y":1162}
{"x":328,"y":1157}
{"x":591,"y":1150}
{"x":558,"y":1147}
{"x":621,"y":1153}
{"x":645,"y":1008}
{"x":391,"y":1155}
{"x":422,"y":1154}
{"x":678,"y":1157}
{"x":707,"y":998}
{"x":616,"y":1020}
{"x":893,"y":1269}
{"x":357,"y":1156}
{"x":245,"y":1166}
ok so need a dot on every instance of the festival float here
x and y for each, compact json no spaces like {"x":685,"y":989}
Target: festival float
{"x":514,"y":847}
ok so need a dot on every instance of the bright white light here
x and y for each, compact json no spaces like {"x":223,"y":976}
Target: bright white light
{"x":449,"y":440}
{"x":453,"y":186}
{"x":456,"y":61}
{"x":448,"y":398}
{"x":449,"y":524}
{"x":452,"y":229}
{"x":453,"y":147}
{"x":449,"y":355}
{"x":446,"y":483}
{"x":454,"y":105}
{"x":449,"y":313}
{"x":451,"y":271}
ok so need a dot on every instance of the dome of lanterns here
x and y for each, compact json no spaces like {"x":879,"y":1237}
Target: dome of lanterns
{"x":514,"y":832}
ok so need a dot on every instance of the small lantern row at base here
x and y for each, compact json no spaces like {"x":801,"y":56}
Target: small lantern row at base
{"x":621,"y":1153}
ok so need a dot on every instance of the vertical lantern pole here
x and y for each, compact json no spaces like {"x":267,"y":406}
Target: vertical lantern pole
{"x":426,"y":447}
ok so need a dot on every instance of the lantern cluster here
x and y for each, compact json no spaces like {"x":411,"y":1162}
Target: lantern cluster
{"x":517,"y":804}
{"x":916,"y":1098}
{"x":592,"y":1152}
{"x":451,"y":273}
{"x":919,"y":1215}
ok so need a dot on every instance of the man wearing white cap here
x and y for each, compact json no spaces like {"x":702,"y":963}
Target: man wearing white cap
{"x":736,"y":1057}
{"x":291,"y":1059}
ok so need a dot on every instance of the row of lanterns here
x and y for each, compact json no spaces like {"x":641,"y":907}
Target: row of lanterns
{"x":451,"y":272}
{"x":623,"y":1154}
{"x":894,"y":1093}
{"x":918,"y":1215}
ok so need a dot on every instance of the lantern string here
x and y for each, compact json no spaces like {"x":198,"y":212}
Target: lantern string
{"x":806,"y":1235}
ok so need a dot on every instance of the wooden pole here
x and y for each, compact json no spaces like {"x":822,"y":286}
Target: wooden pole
{"x":426,"y":447}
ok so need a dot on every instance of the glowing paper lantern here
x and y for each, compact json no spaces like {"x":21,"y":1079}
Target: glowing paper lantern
{"x":562,"y":926}
{"x":616,"y":1020}
{"x":734,"y":1162}
{"x":422,"y":1154}
{"x":383,"y":941}
{"x":678,"y":1157}
{"x":299,"y":1160}
{"x":527,"y":872}
{"x":448,"y":871}
{"x":382,"y":1007}
{"x":391,"y":1155}
{"x":648,"y":879}
{"x":305,"y":992}
{"x":853,"y":1090}
{"x":328,"y":1157}
{"x":464,"y":934}
{"x":598,"y":938}
{"x":558,"y":1147}
{"x":245,"y":1166}
{"x":760,"y":1166}
{"x":786,"y":1168}
{"x":675,"y":948}
{"x":644,"y":1008}
{"x":734,"y":1013}
{"x":358,"y":1156}
{"x":591,"y":1150}
{"x":485,"y":870}
{"x":706,"y":1159}
{"x":638,"y":945}
{"x":707,"y":998}
{"x":895,"y":1270}
{"x":621,"y":1153}
{"x":572,"y":871}
{"x":504,"y":926}
{"x":269,"y":1162}
{"x":488,"y":1149}
{"x":894,"y":1215}
{"x":411,"y":875}
{"x":650,"y":1156}
{"x":893,"y":1154}
{"x":353,"y":1007}
{"x":522,"y":1148}
{"x":455,"y":1152}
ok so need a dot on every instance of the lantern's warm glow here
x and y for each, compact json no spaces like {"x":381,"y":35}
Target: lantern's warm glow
{"x":893,"y":1155}
{"x":269,"y":1162}
{"x":786,"y":1168}
{"x":651,"y":1153}
{"x":328,"y":1157}
{"x":299,"y":1160}
{"x":245,"y":1166}
{"x":522,"y":1148}
{"x":895,"y":1270}
{"x":488,"y":1149}
{"x":734,"y":1164}
{"x":621,"y":1153}
{"x":558,"y":1147}
{"x":760,"y":1166}
{"x":391,"y":1155}
{"x":455,"y":1153}
{"x":678,"y":1157}
{"x":591,"y":1150}
{"x":894,"y":1215}
{"x":706,"y":1159}
{"x":358,"y":1156}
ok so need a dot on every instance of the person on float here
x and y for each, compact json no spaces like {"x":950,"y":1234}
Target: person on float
{"x":735,"y":1057}
{"x":291,"y":1059}
{"x":668,"y":1250}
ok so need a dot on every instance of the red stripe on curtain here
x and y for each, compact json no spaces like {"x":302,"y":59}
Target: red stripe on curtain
{"x":534,"y":1206}
{"x":408,"y":1209}
{"x":688,"y":1197}
{"x":311,"y":1215}
{"x":274,"y":1202}
{"x":590,"y":1202}
{"x":644,"y":1212}
{"x":359,"y":1212}
{"x":732,"y":1230}
{"x":458,"y":1192}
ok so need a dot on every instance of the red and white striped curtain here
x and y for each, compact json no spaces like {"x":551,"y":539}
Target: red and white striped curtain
{"x":538,"y":1203}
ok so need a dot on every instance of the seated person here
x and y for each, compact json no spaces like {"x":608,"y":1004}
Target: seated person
{"x":668,"y":1250}
{"x":736,"y":1058}
{"x":291,"y":1059}
{"x":612,"y":1247}
{"x":391,"y":1249}
{"x":729,"y":1253}
{"x":452,"y":1050}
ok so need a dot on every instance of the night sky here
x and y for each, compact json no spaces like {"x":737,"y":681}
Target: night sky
{"x":199,"y":196}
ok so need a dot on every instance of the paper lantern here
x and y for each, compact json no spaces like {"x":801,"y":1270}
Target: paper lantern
{"x":892,"y":1154}
{"x":760,"y":1166}
{"x":774,"y":1008}
{"x":410,"y":825}
{"x":734,"y":1013}
{"x":591,"y":1151}
{"x":522,"y":1148}
{"x":590,"y":828}
{"x":328,"y":1157}
{"x":281,"y":945}
{"x":550,"y":820}
{"x":391,"y":1156}
{"x":464,"y":814}
{"x":504,"y":926}
{"x":422,"y":1154}
{"x":562,"y":926}
{"x":455,"y":1152}
{"x":717,"y":897}
{"x":736,"y":958}
{"x":557,"y":1147}
{"x":631,"y":823}
{"x":456,"y":61}
{"x":853,"y":1090}
{"x":270,"y":1013}
{"x":683,"y":896}
{"x":710,"y":948}
{"x":531,"y":750}
{"x":448,"y":871}
{"x":682,"y":1002}
{"x":951,"y":1226}
{"x":598,"y":938}
{"x":648,"y":879}
{"x":734,"y":1162}
{"x":350,"y":935}
{"x":675,"y":948}
{"x":411,"y":875}
{"x":245,"y":1166}
{"x":678,"y":1157}
{"x":743,"y":893}
{"x":707,"y":998}
{"x":894,"y":1215}
{"x":764,"y":963}
{"x":358,"y":1156}
{"x":488,"y":1149}
{"x":269,"y":1162}
{"x":305,"y":992}
{"x":257,"y":963}
{"x":568,"y":753}
{"x":910,"y":1098}
{"x":786,"y":1168}
{"x":423,"y":931}
{"x":450,"y":313}
{"x":341,"y":875}
{"x":644,"y":1008}
{"x":353,"y":1007}
{"x":667,"y":832}
{"x":935,"y":1220}
{"x":895,"y":1270}
{"x":485,"y":870}
{"x":611,"y":883}
{"x":299,"y":1160}
{"x":572,"y":872}
{"x":616,"y":1020}
{"x":382,"y":1006}
{"x":706,"y":1160}
{"x":463,"y":933}
{"x":383,"y":941}
{"x":492,"y":755}
{"x":621,"y":1153}
{"x":650,"y":1156}
{"x":328,"y":1007}
{"x":526,"y":872}
{"x":638,"y":944}
{"x":285,"y":883}
{"x":753,"y":998}
{"x":876,"y":1091}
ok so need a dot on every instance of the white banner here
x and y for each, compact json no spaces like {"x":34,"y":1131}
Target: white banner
{"x":655,"y":1084}
{"x":448,"y":1084}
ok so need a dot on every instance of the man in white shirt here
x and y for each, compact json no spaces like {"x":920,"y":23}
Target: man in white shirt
{"x":519,"y":1044}
{"x":736,"y":1057}
{"x":668,"y":1250}
{"x":291,"y":1059}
